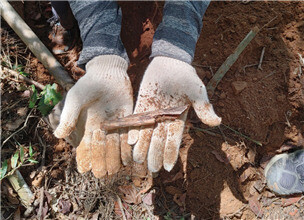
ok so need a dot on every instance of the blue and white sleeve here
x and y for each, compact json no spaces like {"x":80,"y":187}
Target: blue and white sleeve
{"x":100,"y":25}
{"x":177,"y":34}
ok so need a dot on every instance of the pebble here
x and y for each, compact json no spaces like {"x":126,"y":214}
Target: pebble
{"x":238,"y":86}
{"x":252,"y":19}
{"x":223,"y":95}
{"x":281,"y":98}
{"x":213,"y":51}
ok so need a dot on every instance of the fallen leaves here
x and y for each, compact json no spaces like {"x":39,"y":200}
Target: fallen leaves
{"x":255,"y":207}
{"x":130,"y":194}
{"x":64,"y":206}
{"x":290,"y":201}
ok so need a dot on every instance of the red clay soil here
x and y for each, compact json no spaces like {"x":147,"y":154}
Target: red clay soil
{"x":219,"y":167}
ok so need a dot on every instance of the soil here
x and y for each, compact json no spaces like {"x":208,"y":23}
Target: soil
{"x":220,"y":171}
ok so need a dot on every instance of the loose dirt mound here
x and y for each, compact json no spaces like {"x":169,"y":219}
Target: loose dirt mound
{"x":220,"y":171}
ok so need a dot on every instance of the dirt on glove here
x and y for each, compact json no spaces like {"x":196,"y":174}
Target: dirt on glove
{"x":220,"y":171}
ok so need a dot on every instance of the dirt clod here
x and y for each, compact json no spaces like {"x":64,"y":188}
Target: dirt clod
{"x":238,"y":86}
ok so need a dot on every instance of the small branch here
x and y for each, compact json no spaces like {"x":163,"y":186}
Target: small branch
{"x":268,"y":22}
{"x":21,"y":187}
{"x":43,"y":152}
{"x":220,"y":73}
{"x":239,"y":133}
{"x":121,"y":208}
{"x":249,"y":65}
{"x":23,"y":78}
{"x":20,"y":129}
{"x":39,"y":214}
{"x":261,"y":59}
{"x":146,"y":118}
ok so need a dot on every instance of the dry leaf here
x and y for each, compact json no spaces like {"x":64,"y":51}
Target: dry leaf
{"x":65,"y":206}
{"x":290,"y":201}
{"x":131,"y":195}
{"x":255,"y":207}
{"x":148,"y":199}
{"x":219,"y":157}
{"x":127,"y":211}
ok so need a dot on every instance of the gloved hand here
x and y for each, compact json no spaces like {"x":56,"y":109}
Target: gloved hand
{"x":103,"y":93}
{"x":168,"y":83}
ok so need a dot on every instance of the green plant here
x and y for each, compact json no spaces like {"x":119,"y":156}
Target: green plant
{"x":17,"y":160}
{"x":48,"y":98}
{"x":20,"y":69}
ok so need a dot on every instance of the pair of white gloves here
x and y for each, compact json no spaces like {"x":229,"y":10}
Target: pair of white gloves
{"x":105,"y":93}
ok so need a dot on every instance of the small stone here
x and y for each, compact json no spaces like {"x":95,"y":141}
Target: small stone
{"x":252,"y":19}
{"x":255,"y":79}
{"x":26,"y":94}
{"x":223,"y":95}
{"x":22,"y":111}
{"x":238,"y":86}
{"x":281,"y":98}
{"x":213,"y":51}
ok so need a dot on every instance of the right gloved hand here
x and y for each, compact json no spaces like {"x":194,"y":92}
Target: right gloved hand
{"x":103,"y":93}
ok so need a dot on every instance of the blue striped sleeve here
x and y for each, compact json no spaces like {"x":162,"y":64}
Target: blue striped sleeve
{"x":179,"y":30}
{"x":100,"y":25}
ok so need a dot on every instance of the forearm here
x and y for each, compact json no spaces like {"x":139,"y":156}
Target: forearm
{"x":179,"y":31}
{"x":100,"y":25}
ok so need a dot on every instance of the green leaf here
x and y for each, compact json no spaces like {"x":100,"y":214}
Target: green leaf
{"x":14,"y":160}
{"x":3,"y":169}
{"x":22,"y":154}
{"x":49,"y":98}
{"x":18,"y":68}
{"x":34,"y":97}
{"x":31,"y":151}
{"x":32,"y":160}
{"x":24,"y":73}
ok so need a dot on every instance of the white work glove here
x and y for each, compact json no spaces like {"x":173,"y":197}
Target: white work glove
{"x":103,"y":93}
{"x":168,"y":83}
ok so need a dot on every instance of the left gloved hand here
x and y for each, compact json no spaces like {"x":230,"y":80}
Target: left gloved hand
{"x":168,"y":83}
{"x":103,"y":93}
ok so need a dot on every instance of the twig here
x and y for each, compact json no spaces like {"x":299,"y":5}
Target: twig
{"x":19,"y":76}
{"x":212,"y":133}
{"x":39,"y":214}
{"x":265,"y":25}
{"x":146,"y":118}
{"x":9,"y":107}
{"x":220,"y":73}
{"x":121,"y":208}
{"x":43,"y":151}
{"x":20,"y":129}
{"x":287,"y":121}
{"x":239,"y":133}
{"x":21,"y":187}
{"x":236,"y":212}
{"x":261,"y":59}
{"x":268,"y":75}
{"x":249,"y":65}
